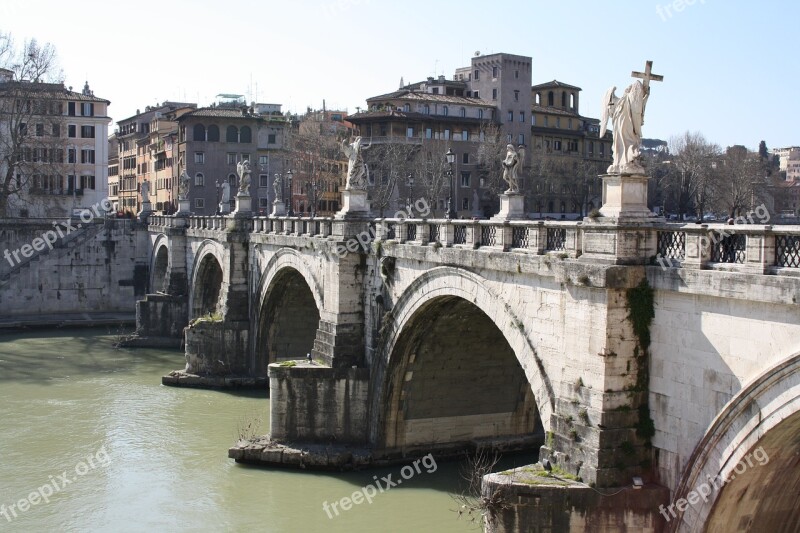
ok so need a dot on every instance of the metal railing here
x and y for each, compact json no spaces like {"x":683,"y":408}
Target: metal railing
{"x":671,"y":244}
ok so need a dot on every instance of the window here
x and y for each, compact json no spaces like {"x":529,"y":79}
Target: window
{"x":591,"y":147}
{"x":558,"y":122}
{"x":477,"y":75}
{"x":56,"y":131}
{"x":537,"y":99}
{"x":447,"y":135}
{"x":557,"y":146}
{"x":464,"y":135}
{"x":509,"y":138}
{"x":71,"y":109}
{"x":72,"y":155}
{"x":476,"y":94}
{"x":199,"y":132}
{"x":200,"y":203}
{"x":495,"y":72}
{"x":533,"y":120}
{"x":521,"y":139}
{"x":212,"y":135}
{"x":246,"y":135}
{"x":522,"y":116}
{"x":602,"y":149}
{"x":445,"y":110}
{"x":245,"y":157}
{"x":231,"y":158}
{"x":516,"y":96}
{"x":494,"y":94}
{"x":462,"y":112}
{"x":87,"y":132}
{"x":231,"y":134}
{"x":263,"y":160}
{"x":199,"y":158}
{"x":263,"y":202}
{"x":480,"y":113}
{"x":406,"y":108}
{"x":410,"y":132}
{"x":40,"y":130}
{"x":465,"y":204}
{"x":426,"y":110}
{"x":428,"y":133}
{"x":87,"y":156}
{"x":271,"y":138}
{"x":87,"y":109}
{"x":199,"y":179}
{"x":516,"y":74}
{"x":465,"y":158}
{"x":511,"y":116}
{"x":465,"y":179}
{"x":263,"y":180}
{"x":563,"y":99}
{"x":87,"y":182}
{"x":550,"y":98}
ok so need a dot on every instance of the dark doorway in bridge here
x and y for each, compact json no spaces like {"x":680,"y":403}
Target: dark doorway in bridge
{"x":453,"y":379}
{"x":158,"y":283}
{"x":207,"y":285}
{"x":288,"y":321}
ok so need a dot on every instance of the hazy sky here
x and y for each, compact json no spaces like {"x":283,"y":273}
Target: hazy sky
{"x":730,"y":67}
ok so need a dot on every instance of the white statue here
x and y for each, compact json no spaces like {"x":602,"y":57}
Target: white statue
{"x":276,"y":185}
{"x":243,"y":170}
{"x":511,"y":165}
{"x":145,"y":190}
{"x":627,"y":117}
{"x":183,"y":186}
{"x":356,"y":171}
{"x":226,"y":193}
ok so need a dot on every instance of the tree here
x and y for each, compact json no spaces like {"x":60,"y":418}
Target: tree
{"x":389,"y":165}
{"x":31,"y":122}
{"x":319,"y":161}
{"x":742,"y":178}
{"x":692,"y":177}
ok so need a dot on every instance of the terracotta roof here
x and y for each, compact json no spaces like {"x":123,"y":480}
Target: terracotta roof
{"x":51,"y":90}
{"x":365,"y":116}
{"x":415,"y":96}
{"x":554,"y":111}
{"x":555,"y":83}
{"x":219,"y":112}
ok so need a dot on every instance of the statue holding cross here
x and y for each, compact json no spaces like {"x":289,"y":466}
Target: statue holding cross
{"x":627,"y":117}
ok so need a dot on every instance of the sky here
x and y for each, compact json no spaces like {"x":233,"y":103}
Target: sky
{"x":730,"y":67}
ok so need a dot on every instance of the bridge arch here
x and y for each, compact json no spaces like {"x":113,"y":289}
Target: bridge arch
{"x":289,"y":305}
{"x":754,"y":443}
{"x":455,"y":342}
{"x":159,"y":267}
{"x":208,"y":275}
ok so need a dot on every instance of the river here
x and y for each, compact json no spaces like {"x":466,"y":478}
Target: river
{"x":140,"y":456}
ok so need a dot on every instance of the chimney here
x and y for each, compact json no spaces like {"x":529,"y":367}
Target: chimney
{"x":441,"y":78}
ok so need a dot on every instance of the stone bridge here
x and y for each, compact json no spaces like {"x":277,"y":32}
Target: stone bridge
{"x":617,"y":348}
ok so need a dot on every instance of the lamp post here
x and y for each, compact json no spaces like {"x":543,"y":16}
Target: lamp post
{"x":289,"y":175}
{"x":410,"y":190}
{"x":451,"y":158}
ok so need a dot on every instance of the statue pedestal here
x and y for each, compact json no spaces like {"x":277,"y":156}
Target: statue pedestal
{"x":224,"y":208}
{"x":354,"y":204}
{"x":147,"y":208}
{"x":512,"y":207}
{"x":183,"y":208}
{"x":625,"y":197}
{"x":243,"y":205}
{"x":278,"y":209}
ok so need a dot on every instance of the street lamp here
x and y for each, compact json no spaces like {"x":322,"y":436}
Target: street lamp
{"x":451,"y":158}
{"x":289,"y":175}
{"x":410,"y":185}
{"x":313,"y":190}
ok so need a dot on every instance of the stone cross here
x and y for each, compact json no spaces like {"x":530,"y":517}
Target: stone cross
{"x":647,"y":75}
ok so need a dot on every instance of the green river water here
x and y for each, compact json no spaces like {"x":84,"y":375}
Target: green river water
{"x":139,"y":456}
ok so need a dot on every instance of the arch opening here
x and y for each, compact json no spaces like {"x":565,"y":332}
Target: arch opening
{"x":158,"y":283}
{"x":207,"y":286}
{"x":287,"y":322}
{"x":454,"y":378}
{"x":763,"y":488}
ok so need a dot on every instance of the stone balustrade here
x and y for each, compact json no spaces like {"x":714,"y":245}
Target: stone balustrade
{"x":298,"y":226}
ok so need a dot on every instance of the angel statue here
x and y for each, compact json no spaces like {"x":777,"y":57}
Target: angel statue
{"x":356,"y":172}
{"x":511,"y":166}
{"x":243,"y":170}
{"x":627,"y":117}
{"x":276,"y":186}
{"x":183,"y":186}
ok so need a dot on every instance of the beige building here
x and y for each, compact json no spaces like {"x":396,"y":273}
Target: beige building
{"x":57,"y":162}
